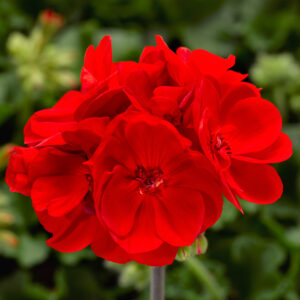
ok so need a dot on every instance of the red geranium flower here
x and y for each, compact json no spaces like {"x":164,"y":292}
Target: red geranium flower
{"x":154,"y":191}
{"x":54,"y":175}
{"x":240,"y":133}
{"x":135,"y":162}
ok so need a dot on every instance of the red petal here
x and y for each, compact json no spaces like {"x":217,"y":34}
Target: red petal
{"x":237,"y":93}
{"x":48,"y":122}
{"x":16,"y":175}
{"x":213,"y":209}
{"x":251,"y":125}
{"x":143,"y":237}
{"x":177,"y":69}
{"x":279,"y":151}
{"x":120,"y":202}
{"x":254,"y":182}
{"x":106,"y":104}
{"x":183,"y":53}
{"x":210,"y":64}
{"x":53,"y":162}
{"x":206,"y":106}
{"x":97,"y":64}
{"x":151,"y":55}
{"x":139,"y":89}
{"x":154,"y":141}
{"x":71,"y":233}
{"x":58,"y":194}
{"x":86,"y":135}
{"x":107,"y":248}
{"x":229,"y":193}
{"x":164,"y":255}
{"x":179,"y":214}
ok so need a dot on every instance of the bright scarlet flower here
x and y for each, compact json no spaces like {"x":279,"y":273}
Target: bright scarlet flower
{"x":155,"y":191}
{"x":240,"y":134}
{"x":135,"y":162}
{"x":54,"y":175}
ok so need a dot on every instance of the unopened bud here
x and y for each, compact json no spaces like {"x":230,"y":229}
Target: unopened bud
{"x":198,"y":247}
{"x":6,"y":218}
{"x":49,"y":17}
{"x":9,"y":238}
{"x":5,"y":152}
{"x":183,"y":253}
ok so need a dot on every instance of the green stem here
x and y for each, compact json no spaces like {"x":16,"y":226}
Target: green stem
{"x":294,"y":266}
{"x":277,"y":230}
{"x":205,"y":277}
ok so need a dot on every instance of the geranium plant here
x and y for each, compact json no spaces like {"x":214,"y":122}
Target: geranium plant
{"x":135,"y":163}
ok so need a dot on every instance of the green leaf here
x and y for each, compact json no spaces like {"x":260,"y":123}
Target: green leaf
{"x":74,"y":258}
{"x":293,"y":131}
{"x":32,"y":250}
{"x":229,"y":215}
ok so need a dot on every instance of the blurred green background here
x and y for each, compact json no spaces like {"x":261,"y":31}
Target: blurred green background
{"x":255,"y":256}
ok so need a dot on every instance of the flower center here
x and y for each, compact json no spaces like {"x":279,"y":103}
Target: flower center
{"x":149,"y":180}
{"x":218,"y":144}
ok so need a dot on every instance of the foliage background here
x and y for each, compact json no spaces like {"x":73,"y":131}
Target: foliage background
{"x":255,"y":256}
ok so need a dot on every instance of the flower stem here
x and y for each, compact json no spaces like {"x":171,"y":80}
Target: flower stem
{"x":157,"y":287}
{"x":205,"y":277}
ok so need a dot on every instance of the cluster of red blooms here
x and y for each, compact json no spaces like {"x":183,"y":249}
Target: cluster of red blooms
{"x":135,"y":164}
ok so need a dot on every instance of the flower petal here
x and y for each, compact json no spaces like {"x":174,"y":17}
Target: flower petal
{"x":251,"y":125}
{"x":58,"y":194}
{"x":16,"y":175}
{"x":138,"y":88}
{"x":163,"y":255}
{"x":97,"y":64}
{"x":178,"y":70}
{"x":210,"y":64}
{"x":120,"y":202}
{"x":143,"y":237}
{"x":154,"y":141}
{"x":48,"y":122}
{"x":53,"y":162}
{"x":106,"y":104}
{"x":104,"y":246}
{"x":254,"y":182}
{"x":179,"y":214}
{"x":72,"y":232}
{"x":237,"y":93}
{"x":213,"y":209}
{"x":279,"y":151}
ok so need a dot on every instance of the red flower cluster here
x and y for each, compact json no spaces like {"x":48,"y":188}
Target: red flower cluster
{"x":136,"y":162}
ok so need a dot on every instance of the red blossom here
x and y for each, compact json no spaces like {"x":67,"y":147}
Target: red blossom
{"x":135,"y":163}
{"x":240,"y":133}
{"x":140,"y":191}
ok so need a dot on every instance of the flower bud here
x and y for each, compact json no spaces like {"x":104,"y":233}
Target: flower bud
{"x":9,"y":238}
{"x":5,"y":152}
{"x":6,"y":218}
{"x":49,"y":17}
{"x":198,"y":247}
